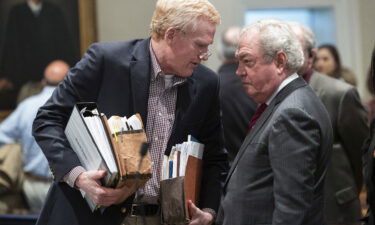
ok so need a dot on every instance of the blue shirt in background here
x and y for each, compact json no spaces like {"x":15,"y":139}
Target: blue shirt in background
{"x":17,"y":127}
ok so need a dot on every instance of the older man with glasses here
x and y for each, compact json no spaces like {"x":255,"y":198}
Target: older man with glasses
{"x":162,"y":79}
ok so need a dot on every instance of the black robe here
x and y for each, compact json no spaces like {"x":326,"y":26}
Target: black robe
{"x":32,"y":42}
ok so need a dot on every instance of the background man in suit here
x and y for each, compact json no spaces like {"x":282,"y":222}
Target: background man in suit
{"x":162,"y":79}
{"x":17,"y":127}
{"x":278,"y":174}
{"x":236,"y":106}
{"x":369,"y":159}
{"x":349,"y":122}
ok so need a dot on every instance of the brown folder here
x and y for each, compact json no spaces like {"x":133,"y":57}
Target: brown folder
{"x":192,"y":180}
{"x":133,"y":168}
{"x":176,"y":192}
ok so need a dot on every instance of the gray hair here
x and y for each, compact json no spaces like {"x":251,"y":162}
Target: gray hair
{"x":230,"y":39}
{"x":274,"y":36}
{"x":307,"y":34}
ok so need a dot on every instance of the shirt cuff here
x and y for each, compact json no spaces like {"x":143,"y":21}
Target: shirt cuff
{"x":71,"y":177}
{"x":210,"y":211}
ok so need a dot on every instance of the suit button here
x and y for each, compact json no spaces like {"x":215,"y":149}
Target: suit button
{"x":123,"y":210}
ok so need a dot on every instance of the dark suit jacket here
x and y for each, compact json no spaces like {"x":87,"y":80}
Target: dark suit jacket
{"x":278,"y":174}
{"x":116,"y":76}
{"x":349,"y":122}
{"x":236,"y":109}
{"x":369,"y":174}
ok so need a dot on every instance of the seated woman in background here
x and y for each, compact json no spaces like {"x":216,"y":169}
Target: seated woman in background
{"x":328,"y":62}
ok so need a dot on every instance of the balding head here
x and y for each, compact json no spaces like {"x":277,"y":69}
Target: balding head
{"x":230,"y":39}
{"x":55,"y":72}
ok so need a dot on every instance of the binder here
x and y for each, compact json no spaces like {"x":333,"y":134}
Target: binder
{"x":117,"y":153}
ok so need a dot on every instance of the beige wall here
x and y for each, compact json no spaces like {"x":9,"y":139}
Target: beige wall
{"x":120,"y":20}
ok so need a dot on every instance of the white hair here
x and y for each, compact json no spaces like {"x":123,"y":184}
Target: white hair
{"x":307,"y":34}
{"x":274,"y":36}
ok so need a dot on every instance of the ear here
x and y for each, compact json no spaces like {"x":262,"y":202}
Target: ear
{"x":280,"y":61}
{"x":170,"y":34}
{"x":312,"y":55}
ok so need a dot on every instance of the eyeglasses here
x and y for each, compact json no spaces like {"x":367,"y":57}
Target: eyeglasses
{"x":205,"y":55}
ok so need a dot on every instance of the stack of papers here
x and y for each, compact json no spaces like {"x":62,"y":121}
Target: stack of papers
{"x":176,"y":163}
{"x":112,"y":145}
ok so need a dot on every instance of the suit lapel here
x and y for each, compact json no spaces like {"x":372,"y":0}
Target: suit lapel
{"x":185,"y":93}
{"x":140,"y":71}
{"x":316,"y":83}
{"x":295,"y":84}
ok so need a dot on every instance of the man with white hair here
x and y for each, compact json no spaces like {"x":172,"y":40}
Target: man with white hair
{"x":277,"y":176}
{"x":160,"y":78}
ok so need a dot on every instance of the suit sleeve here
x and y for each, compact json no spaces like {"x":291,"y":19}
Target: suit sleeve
{"x":353,"y":131}
{"x":294,"y":145}
{"x":81,"y":84}
{"x":215,"y":162}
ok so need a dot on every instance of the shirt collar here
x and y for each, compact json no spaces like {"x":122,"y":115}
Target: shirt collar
{"x":35,"y":8}
{"x":285,"y":82}
{"x":156,"y":71}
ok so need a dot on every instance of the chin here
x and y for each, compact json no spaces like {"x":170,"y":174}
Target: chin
{"x":187,"y":73}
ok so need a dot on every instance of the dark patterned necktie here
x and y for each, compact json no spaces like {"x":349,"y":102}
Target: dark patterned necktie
{"x":256,"y":115}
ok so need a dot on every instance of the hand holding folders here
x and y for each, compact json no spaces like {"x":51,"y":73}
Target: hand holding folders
{"x":181,"y":178}
{"x":102,"y":144}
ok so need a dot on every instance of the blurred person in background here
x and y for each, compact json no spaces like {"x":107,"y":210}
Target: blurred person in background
{"x":328,"y":62}
{"x":369,"y":159}
{"x":36,"y":34}
{"x":370,"y":104}
{"x":17,"y":127}
{"x":237,"y":107}
{"x":349,"y":122}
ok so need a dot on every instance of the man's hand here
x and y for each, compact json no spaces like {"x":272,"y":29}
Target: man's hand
{"x":198,"y":217}
{"x":89,"y":182}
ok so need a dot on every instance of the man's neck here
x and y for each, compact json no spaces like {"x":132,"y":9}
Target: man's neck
{"x":158,"y":48}
{"x":307,"y":75}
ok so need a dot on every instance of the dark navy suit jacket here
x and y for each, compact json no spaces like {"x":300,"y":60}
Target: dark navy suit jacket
{"x":116,"y":76}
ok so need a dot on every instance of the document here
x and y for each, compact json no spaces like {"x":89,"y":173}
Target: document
{"x":112,"y":145}
{"x":180,"y":180}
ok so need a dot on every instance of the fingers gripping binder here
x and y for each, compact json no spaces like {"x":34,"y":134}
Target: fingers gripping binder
{"x":100,"y":147}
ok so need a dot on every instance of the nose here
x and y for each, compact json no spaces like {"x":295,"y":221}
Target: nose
{"x":240,"y":71}
{"x":204,"y":56}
